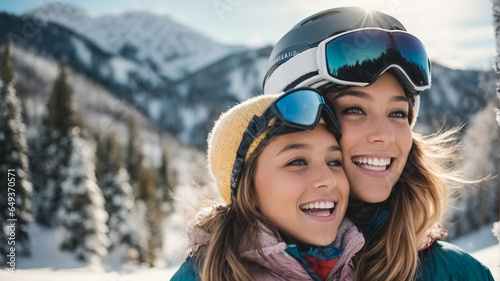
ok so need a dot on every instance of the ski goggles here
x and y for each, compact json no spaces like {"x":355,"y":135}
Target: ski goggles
{"x":359,"y":57}
{"x":294,"y":111}
{"x":355,"y":58}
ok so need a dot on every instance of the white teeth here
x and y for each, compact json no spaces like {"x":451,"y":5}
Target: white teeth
{"x":373,"y":168}
{"x":376,"y":164}
{"x":317,"y":205}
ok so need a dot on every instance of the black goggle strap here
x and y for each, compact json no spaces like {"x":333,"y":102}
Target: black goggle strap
{"x":332,"y":123}
{"x":255,"y":132}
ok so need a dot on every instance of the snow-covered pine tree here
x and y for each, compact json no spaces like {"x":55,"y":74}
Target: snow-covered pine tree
{"x":66,"y":190}
{"x":154,"y":217}
{"x":14,"y":179}
{"x":144,"y":182}
{"x":82,"y":214}
{"x":52,"y":150}
{"x":119,"y":198}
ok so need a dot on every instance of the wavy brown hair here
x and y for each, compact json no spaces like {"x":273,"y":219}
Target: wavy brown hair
{"x":416,"y":206}
{"x":234,"y":229}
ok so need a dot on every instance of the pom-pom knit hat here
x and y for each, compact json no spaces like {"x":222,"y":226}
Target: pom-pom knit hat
{"x":226,"y":136}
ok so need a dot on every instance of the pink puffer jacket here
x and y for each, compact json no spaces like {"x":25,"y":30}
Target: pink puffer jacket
{"x":279,"y":265}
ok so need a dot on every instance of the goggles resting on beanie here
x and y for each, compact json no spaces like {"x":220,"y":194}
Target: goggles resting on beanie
{"x":356,"y":58}
{"x":296,"y":110}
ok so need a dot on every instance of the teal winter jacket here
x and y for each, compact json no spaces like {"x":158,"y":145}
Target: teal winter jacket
{"x":187,"y":272}
{"x":443,"y":261}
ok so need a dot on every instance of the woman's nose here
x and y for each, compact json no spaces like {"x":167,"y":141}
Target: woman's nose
{"x":381,"y":131}
{"x":324,"y":177}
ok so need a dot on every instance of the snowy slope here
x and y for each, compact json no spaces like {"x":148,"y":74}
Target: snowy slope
{"x":168,"y":48}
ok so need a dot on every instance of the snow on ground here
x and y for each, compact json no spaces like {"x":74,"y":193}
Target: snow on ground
{"x":50,"y":264}
{"x":482,"y":245}
{"x":489,"y":256}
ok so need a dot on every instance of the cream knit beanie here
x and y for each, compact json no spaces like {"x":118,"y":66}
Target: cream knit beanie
{"x":226,"y":136}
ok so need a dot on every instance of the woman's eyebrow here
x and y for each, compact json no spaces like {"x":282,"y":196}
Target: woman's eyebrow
{"x":358,"y":94}
{"x":400,"y":99}
{"x":335,"y":148}
{"x":305,"y":147}
{"x":363,"y":95}
{"x":294,"y":146}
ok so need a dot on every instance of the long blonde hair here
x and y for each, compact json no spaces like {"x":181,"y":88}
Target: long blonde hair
{"x":234,"y":229}
{"x":416,"y":206}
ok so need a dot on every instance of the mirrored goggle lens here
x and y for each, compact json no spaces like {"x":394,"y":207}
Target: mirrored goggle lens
{"x":360,"y":56}
{"x":301,"y":107}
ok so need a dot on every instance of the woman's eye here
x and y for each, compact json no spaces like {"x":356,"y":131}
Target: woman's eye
{"x":354,"y":110}
{"x":297,"y":162}
{"x":399,"y":114}
{"x":335,"y":163}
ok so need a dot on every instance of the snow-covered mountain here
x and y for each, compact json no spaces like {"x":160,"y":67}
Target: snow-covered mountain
{"x":169,"y":49}
{"x":191,"y":104}
{"x":146,"y":59}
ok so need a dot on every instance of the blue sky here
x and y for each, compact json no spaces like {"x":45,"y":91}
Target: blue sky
{"x":457,"y":33}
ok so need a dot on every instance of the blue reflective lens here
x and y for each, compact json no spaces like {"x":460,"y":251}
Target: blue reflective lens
{"x":416,"y":64}
{"x":360,"y":56}
{"x":301,"y":108}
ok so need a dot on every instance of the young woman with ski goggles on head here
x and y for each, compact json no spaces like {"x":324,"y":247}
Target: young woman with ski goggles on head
{"x":278,"y":167}
{"x":373,"y":71}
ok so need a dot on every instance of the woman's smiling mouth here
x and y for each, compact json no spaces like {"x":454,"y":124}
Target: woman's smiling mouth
{"x":321,"y":209}
{"x":372,"y":163}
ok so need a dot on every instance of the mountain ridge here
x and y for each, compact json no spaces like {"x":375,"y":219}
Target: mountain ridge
{"x":167,"y":47}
